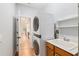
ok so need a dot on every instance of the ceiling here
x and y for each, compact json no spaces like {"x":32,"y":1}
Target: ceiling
{"x":36,"y":5}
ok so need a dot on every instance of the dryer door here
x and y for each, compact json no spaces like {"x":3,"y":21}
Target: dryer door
{"x":36,"y":47}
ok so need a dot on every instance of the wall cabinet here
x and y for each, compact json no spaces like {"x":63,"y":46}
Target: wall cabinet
{"x":52,"y":50}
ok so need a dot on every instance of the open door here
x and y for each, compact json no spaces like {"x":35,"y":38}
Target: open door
{"x":23,"y":26}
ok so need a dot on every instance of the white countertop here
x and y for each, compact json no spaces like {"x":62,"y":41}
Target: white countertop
{"x":68,"y":46}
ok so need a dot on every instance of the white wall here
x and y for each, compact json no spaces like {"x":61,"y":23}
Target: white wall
{"x":23,"y":10}
{"x":46,"y":24}
{"x":46,"y":29}
{"x":7,"y":11}
{"x":62,"y":10}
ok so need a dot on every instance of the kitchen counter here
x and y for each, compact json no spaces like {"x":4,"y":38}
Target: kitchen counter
{"x":68,"y":46}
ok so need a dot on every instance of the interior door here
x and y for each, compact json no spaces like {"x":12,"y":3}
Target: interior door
{"x":23,"y":26}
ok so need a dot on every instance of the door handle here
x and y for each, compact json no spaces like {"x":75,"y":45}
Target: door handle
{"x":18,"y":37}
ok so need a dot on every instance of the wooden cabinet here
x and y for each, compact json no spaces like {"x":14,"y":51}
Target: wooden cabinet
{"x":49,"y":49}
{"x":61,"y":52}
{"x":52,"y":50}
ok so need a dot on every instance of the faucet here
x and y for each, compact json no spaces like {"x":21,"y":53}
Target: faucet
{"x":65,"y":39}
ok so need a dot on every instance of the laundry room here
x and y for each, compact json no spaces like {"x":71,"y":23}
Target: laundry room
{"x":40,"y":23}
{"x":45,"y":19}
{"x":39,"y":29}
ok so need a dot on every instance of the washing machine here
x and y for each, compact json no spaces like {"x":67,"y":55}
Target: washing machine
{"x":36,"y":35}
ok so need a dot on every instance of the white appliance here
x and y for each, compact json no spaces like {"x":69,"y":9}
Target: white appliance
{"x":36,"y":35}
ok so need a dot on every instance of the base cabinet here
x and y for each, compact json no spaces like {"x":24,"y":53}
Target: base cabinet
{"x":62,"y":52}
{"x":52,"y":50}
{"x":49,"y":49}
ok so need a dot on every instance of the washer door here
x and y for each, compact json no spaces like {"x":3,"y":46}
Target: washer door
{"x":36,"y":47}
{"x":36,"y":23}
